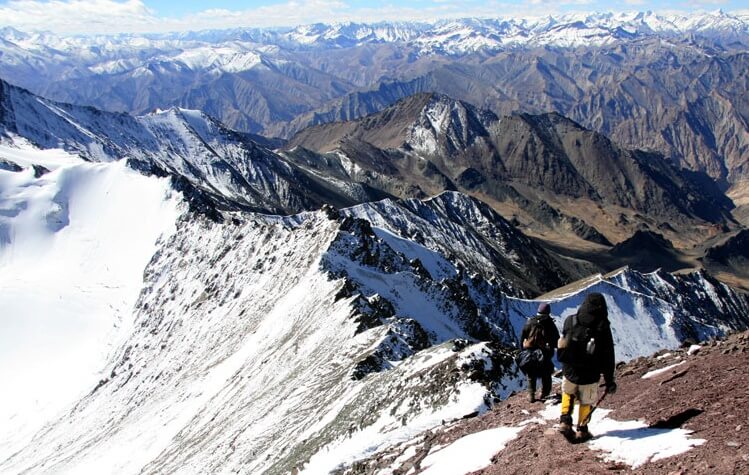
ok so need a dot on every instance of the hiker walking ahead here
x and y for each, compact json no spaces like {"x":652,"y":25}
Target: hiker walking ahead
{"x":586,"y":351}
{"x":540,"y":332}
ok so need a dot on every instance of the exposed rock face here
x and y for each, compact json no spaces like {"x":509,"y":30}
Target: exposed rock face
{"x":735,"y":248}
{"x":433,"y":223}
{"x":437,"y":143}
{"x":648,"y":251}
{"x":732,"y":256}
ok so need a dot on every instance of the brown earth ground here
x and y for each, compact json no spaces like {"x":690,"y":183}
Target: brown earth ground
{"x":707,"y":395}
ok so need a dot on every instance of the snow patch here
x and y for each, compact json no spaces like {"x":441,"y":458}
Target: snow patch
{"x":630,"y":442}
{"x":634,"y":443}
{"x":658,"y":372}
{"x":469,"y":453}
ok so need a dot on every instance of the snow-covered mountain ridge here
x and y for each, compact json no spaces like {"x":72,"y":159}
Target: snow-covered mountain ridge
{"x":263,"y":343}
{"x":197,"y":151}
{"x":246,"y":323}
{"x":260,"y":343}
{"x":669,"y":308}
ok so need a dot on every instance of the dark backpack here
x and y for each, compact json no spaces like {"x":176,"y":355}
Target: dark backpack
{"x":581,"y":344}
{"x":530,"y":360}
{"x":536,"y":334}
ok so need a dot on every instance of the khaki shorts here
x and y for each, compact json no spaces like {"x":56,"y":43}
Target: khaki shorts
{"x":586,"y":393}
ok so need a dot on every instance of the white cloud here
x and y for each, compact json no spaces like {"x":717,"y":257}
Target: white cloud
{"x":69,"y":16}
{"x":117,"y":16}
{"x":714,"y":3}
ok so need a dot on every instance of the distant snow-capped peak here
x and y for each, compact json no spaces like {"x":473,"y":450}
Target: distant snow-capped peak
{"x":241,"y":49}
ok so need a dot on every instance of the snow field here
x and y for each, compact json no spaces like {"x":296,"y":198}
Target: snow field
{"x":73,"y":246}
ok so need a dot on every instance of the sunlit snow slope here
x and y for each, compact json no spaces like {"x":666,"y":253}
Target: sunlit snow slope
{"x":73,"y":246}
{"x":261,"y":343}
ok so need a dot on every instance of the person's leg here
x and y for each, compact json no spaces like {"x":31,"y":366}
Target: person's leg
{"x":588,"y":394}
{"x":545,"y":384}
{"x":568,"y":402}
{"x":531,"y":387}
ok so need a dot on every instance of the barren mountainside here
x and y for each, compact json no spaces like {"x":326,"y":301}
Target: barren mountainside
{"x":538,"y":163}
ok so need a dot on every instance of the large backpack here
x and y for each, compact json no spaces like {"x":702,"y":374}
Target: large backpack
{"x":536,"y":335}
{"x":581,"y":344}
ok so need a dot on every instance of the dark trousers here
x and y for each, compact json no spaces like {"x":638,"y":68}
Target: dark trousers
{"x":545,"y":383}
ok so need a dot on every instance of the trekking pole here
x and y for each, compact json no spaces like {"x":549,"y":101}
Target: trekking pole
{"x":590,"y":415}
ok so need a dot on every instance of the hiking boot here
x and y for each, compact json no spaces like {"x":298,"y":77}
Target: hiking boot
{"x":532,"y":397}
{"x":565,"y":427}
{"x":582,"y":434}
{"x":566,"y":430}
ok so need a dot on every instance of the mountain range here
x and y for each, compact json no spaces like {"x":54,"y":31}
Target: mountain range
{"x":181,"y":294}
{"x":545,"y":173}
{"x":672,"y":84}
{"x":544,"y":169}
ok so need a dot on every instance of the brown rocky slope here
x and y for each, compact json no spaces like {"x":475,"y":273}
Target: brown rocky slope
{"x":705,"y":394}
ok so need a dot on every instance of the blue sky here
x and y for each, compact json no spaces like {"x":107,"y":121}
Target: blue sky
{"x":137,"y":16}
{"x":179,"y":8}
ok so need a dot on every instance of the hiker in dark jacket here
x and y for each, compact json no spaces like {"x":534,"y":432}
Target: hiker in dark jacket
{"x":548,"y":343}
{"x":586,"y":350}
